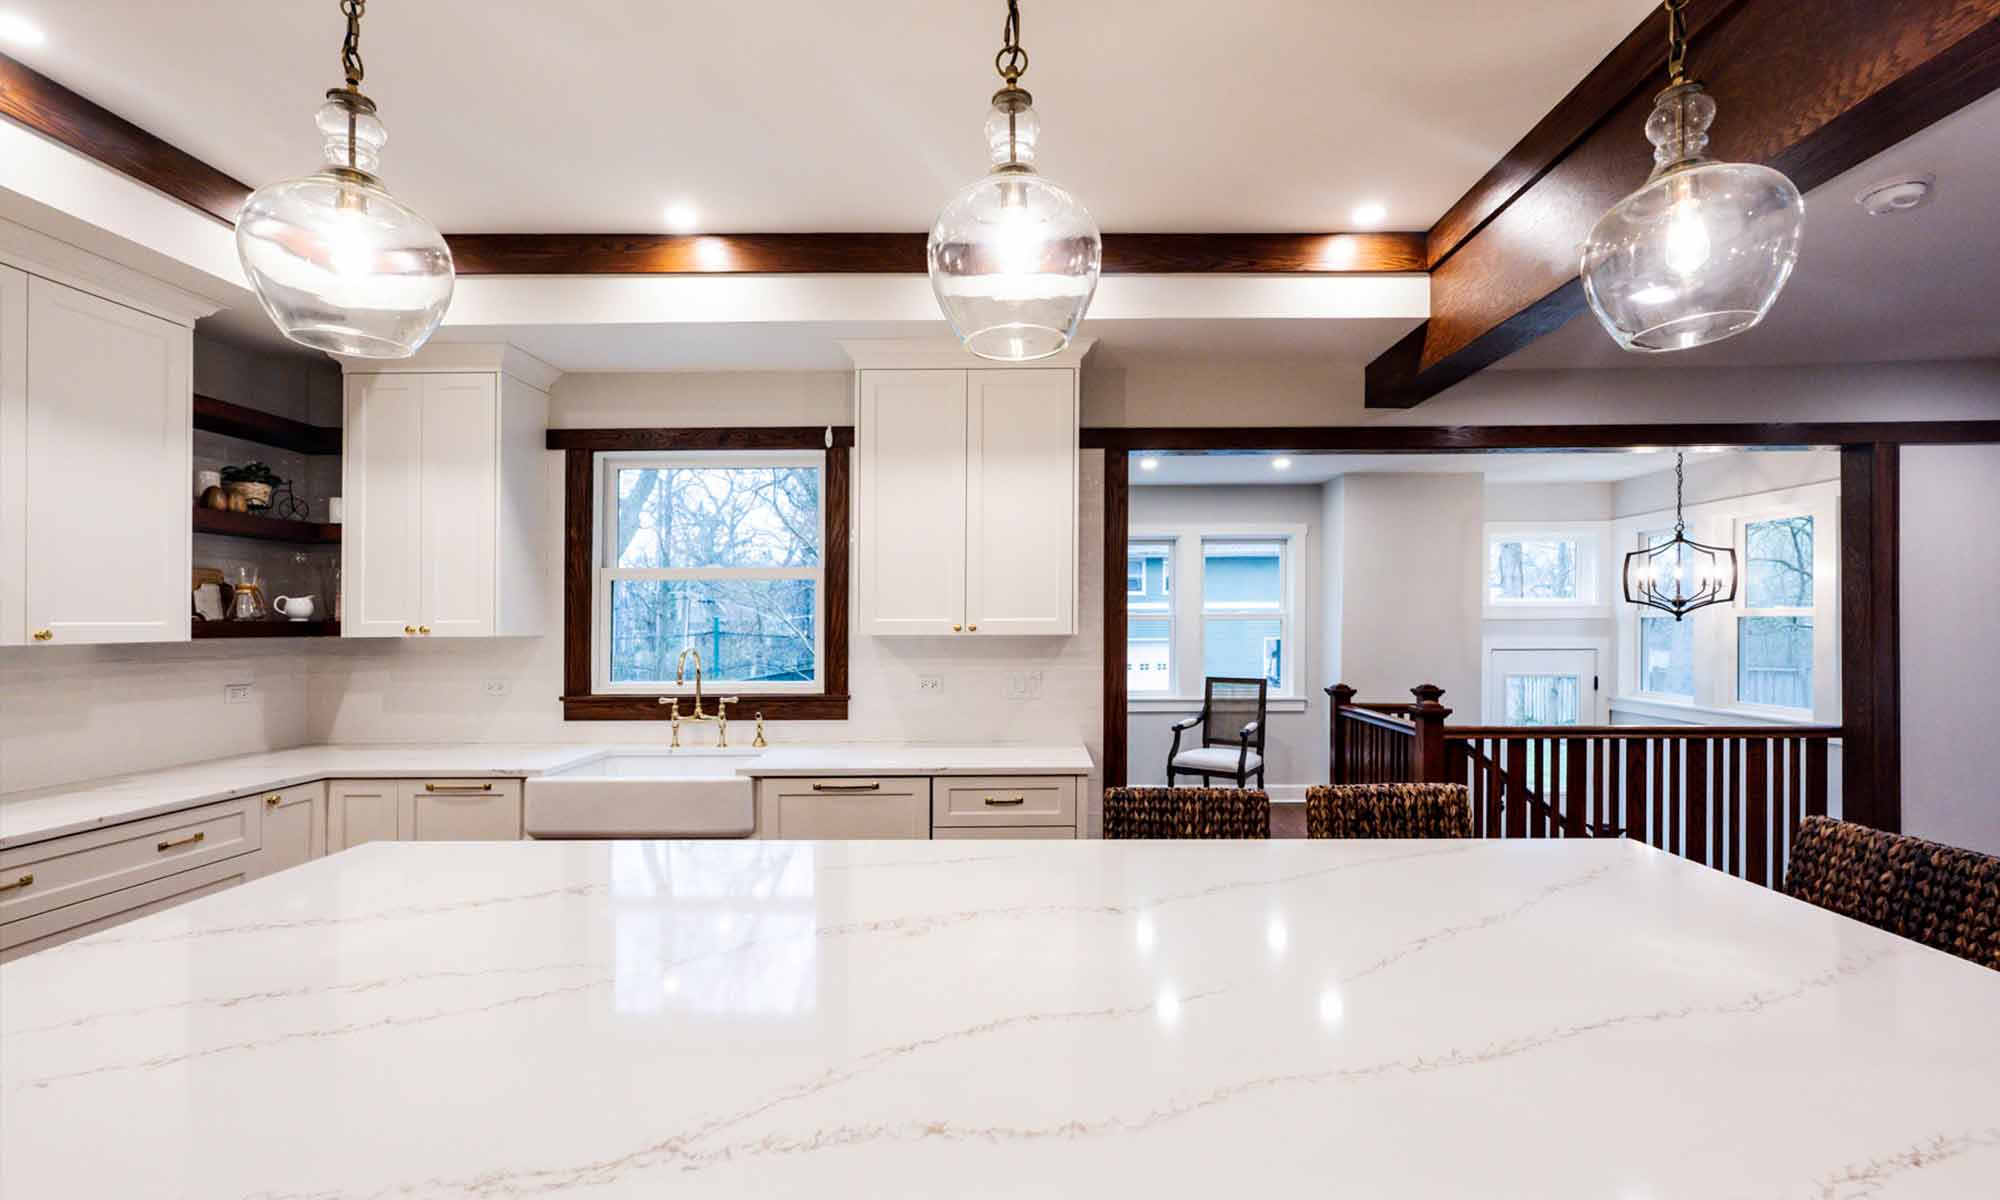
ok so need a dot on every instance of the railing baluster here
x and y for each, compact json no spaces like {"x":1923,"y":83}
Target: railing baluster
{"x":1816,"y":778}
{"x":1756,"y":811}
{"x":1635,"y":789}
{"x":1695,"y":845}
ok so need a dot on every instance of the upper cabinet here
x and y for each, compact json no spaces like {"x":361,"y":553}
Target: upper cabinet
{"x":95,"y":430}
{"x":966,"y":509}
{"x":445,"y":493}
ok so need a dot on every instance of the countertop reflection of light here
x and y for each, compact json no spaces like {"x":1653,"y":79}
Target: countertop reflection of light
{"x":1276,"y":936}
{"x":15,"y":30}
{"x":1332,"y":1009}
{"x":1168,"y":1008}
{"x":670,"y":985}
{"x":1144,"y":934}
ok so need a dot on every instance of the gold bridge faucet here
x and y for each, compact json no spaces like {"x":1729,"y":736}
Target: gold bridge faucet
{"x":721,"y":714}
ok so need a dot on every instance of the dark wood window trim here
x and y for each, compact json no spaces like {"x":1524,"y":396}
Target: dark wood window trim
{"x":580,"y":448}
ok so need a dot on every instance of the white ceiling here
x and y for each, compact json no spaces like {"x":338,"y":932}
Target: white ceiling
{"x":1607,"y":466}
{"x":790,"y":115}
{"x":1913,"y":285}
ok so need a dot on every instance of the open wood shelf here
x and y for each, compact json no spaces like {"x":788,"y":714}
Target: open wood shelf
{"x":269,"y":529}
{"x":205,"y":630}
{"x":234,"y":420}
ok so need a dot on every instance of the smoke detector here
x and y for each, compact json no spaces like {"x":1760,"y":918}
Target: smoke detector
{"x":1897,"y":195}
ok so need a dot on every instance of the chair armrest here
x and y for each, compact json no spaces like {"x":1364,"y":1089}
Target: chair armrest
{"x":1184,"y":726}
{"x":1249,"y":731}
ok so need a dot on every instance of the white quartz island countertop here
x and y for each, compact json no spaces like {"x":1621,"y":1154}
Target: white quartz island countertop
{"x":863,"y":1019}
{"x":52,"y":812}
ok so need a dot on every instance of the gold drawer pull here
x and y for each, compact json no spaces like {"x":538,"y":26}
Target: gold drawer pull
{"x":458,"y":787}
{"x":847,"y":787}
{"x":43,"y":635}
{"x":189,"y":840}
{"x":18,"y":884}
{"x":996,"y":803}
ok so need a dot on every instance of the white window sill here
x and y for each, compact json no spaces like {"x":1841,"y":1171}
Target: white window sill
{"x":1547,"y":610}
{"x":1697,"y":714}
{"x":1191,"y":705}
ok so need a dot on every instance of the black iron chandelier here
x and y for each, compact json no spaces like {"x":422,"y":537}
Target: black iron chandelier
{"x":1680,"y":575}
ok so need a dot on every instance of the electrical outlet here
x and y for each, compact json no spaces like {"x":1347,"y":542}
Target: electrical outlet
{"x":236,"y":693}
{"x":497,"y":687}
{"x":930,"y":683}
{"x":1034,"y":685}
{"x":1017,"y":686}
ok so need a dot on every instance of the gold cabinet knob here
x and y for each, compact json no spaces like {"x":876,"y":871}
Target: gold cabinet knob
{"x":972,"y":629}
{"x":271,"y":801}
{"x":43,"y":635}
{"x":424,"y":629}
{"x":410,"y":629}
{"x":958,"y":629}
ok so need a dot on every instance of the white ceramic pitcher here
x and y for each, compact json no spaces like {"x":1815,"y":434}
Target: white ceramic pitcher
{"x":294,"y":608}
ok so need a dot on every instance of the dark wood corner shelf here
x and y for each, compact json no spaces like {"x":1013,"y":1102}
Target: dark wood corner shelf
{"x":269,"y":529}
{"x":234,"y":420}
{"x":206,"y":630}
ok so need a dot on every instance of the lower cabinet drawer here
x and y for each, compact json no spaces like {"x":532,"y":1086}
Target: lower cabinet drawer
{"x":69,"y":870}
{"x":836,"y":809}
{"x":988,"y":832}
{"x":464,"y":810}
{"x":73,"y":921}
{"x":1003,"y":800}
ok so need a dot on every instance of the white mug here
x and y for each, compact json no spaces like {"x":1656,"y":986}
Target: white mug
{"x":294,"y":608}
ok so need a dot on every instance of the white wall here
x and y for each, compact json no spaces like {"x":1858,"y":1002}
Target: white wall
{"x":1295,"y":742}
{"x":1950,"y":643}
{"x":1410,"y":579}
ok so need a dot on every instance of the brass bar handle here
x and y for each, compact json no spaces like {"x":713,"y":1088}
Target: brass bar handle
{"x":848,"y":787}
{"x":189,"y":840}
{"x":448,"y":788}
{"x":992,"y":802}
{"x":18,"y":884}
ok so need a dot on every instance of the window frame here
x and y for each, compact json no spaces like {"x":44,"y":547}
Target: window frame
{"x":1593,"y":557}
{"x":604,"y":574}
{"x":585,"y":455}
{"x":1168,"y":614}
{"x":1188,"y":612}
{"x":1742,"y":608}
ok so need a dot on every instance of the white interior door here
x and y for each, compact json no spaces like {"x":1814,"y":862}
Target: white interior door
{"x":1542,"y":687}
{"x":1020,"y":502}
{"x":910,"y":509}
{"x":382,"y":540}
{"x":108,"y":490}
{"x":461,"y":430}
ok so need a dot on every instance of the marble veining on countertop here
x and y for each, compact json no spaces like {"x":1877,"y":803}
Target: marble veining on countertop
{"x":1548,"y":1019}
{"x":70,"y":808}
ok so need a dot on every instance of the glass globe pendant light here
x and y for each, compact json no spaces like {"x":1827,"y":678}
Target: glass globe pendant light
{"x":1680,"y":575}
{"x":1013,"y":257}
{"x":338,"y":263}
{"x":1702,"y":250}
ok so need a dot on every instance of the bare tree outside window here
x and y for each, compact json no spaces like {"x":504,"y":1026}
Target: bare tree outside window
{"x":1531,"y":569}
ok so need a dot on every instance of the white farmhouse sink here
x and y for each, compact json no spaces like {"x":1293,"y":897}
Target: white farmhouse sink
{"x":671,"y":793}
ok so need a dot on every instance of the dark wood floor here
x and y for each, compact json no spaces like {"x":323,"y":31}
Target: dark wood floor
{"x":1288,"y":820}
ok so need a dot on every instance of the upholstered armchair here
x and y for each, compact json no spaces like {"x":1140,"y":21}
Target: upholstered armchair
{"x":1232,"y":734}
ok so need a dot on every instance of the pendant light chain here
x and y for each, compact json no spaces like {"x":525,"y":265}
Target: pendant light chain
{"x":1012,"y":61}
{"x":350,"y":48}
{"x":1680,"y":480}
{"x":1677,"y":41}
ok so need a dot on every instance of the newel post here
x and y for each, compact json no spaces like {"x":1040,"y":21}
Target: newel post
{"x":1340,"y":696}
{"x":1427,"y":748}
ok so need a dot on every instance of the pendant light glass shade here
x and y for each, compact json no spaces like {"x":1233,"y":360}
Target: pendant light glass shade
{"x":1700,"y":252}
{"x":1014,"y":257}
{"x":338,"y":263}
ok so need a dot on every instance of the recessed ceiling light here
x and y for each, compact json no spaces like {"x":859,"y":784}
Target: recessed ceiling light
{"x":1281,"y":464}
{"x":1149,"y":464}
{"x":1896,"y":195}
{"x":1366,"y":215}
{"x":683,"y":218}
{"x":17,"y":30}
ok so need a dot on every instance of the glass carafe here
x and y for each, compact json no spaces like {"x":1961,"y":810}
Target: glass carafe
{"x":247,"y":603}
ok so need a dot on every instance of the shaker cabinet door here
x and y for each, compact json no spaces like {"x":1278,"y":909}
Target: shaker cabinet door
{"x":1021,"y":522}
{"x":910,"y":510}
{"x":382,"y":538}
{"x":460,"y":434}
{"x":105,"y":483}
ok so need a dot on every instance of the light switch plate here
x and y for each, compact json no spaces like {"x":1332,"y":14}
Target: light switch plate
{"x":497,"y":687}
{"x":236,"y":693}
{"x":930,"y":683}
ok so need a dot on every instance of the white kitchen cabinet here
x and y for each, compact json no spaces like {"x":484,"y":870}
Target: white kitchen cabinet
{"x":364,"y":810}
{"x":840,"y":808}
{"x":463,"y":810}
{"x":96,"y":429}
{"x":294,"y":827}
{"x":966,"y":506}
{"x":445,"y":493}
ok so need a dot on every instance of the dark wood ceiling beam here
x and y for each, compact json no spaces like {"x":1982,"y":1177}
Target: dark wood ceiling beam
{"x":1812,"y":87}
{"x":1394,"y":439}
